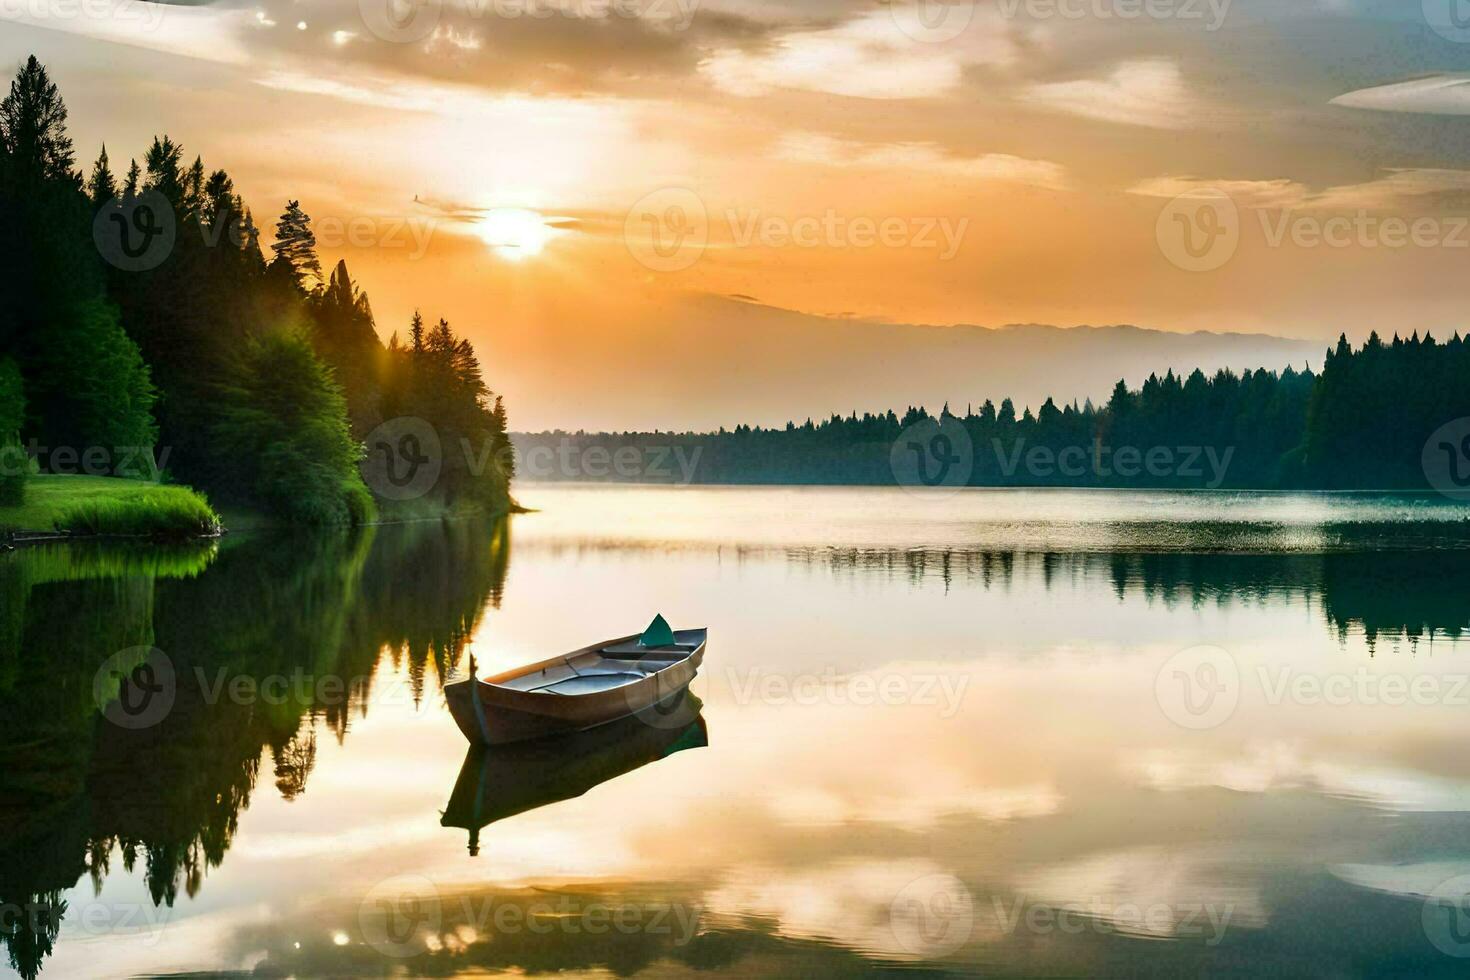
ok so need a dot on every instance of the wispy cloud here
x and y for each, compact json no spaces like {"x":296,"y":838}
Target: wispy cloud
{"x":870,"y":56}
{"x":1280,"y":193}
{"x":1138,"y":93}
{"x":1443,"y":94}
{"x":1396,"y":188}
{"x":1408,"y":187}
{"x":921,"y":158}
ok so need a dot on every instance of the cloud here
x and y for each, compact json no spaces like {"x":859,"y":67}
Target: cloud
{"x":921,"y":158}
{"x":536,"y":47}
{"x":1118,"y":886}
{"x":1400,"y":187}
{"x":1148,"y":92}
{"x":1405,"y":188}
{"x":1247,"y":193}
{"x":871,"y":56}
{"x":1443,"y":94}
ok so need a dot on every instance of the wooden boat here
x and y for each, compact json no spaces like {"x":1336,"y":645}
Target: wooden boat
{"x":630,"y":675}
{"x":495,"y":783}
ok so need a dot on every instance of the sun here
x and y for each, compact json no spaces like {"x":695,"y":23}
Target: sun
{"x":515,"y":233}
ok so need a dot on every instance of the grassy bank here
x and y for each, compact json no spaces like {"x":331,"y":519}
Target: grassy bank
{"x":108,"y":505}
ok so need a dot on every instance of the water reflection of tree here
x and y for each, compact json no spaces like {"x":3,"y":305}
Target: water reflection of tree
{"x":1382,"y":594}
{"x":84,"y":792}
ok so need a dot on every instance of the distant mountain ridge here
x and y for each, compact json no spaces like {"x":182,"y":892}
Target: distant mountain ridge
{"x":729,"y":361}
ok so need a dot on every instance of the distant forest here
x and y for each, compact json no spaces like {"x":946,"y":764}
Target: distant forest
{"x":204,"y":363}
{"x":1363,"y":423}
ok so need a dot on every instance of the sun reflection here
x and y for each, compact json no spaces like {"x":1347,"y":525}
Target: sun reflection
{"x":515,"y":233}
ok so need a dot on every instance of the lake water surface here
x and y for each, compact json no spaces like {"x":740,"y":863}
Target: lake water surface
{"x":997,"y":732}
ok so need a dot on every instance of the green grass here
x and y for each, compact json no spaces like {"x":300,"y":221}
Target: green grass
{"x":109,"y":505}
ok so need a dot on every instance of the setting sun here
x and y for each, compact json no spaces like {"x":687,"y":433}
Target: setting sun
{"x":515,"y":233}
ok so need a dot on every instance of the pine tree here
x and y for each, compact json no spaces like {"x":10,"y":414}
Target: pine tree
{"x":193,"y":186}
{"x":33,"y":127}
{"x":101,"y":187}
{"x":499,"y":427}
{"x":295,"y":245}
{"x":416,"y":333}
{"x":131,"y":182}
{"x":162,"y":165}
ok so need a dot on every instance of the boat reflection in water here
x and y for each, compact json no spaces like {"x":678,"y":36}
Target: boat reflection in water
{"x":501,"y":781}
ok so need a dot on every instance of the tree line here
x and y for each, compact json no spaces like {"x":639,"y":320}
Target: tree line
{"x":142,"y":311}
{"x":1366,"y":421}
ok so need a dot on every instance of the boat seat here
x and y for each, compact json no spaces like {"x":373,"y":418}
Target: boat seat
{"x":638,"y":652}
{"x":592,"y":683}
{"x":540,"y":679}
{"x":620,"y":667}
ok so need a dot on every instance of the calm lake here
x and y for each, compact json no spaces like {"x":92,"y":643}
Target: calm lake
{"x":999,"y":732}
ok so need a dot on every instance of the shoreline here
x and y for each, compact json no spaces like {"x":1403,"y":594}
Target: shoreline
{"x":100,"y":508}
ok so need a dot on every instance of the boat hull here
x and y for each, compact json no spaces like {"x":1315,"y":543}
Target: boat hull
{"x":505,"y":715}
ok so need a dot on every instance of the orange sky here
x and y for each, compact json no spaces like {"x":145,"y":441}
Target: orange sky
{"x":564,"y":188}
